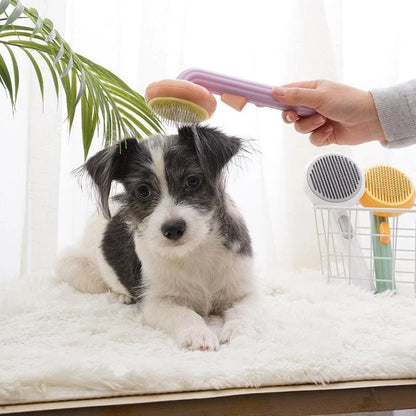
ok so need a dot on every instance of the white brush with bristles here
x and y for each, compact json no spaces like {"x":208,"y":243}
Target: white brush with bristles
{"x":335,"y":181}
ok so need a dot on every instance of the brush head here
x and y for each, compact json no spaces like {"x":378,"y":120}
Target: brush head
{"x":334,"y":179}
{"x":178,"y":111}
{"x":386,"y":186}
{"x":180,"y":101}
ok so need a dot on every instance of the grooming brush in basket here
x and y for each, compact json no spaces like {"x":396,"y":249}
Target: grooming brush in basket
{"x":385,"y":187}
{"x":335,"y":181}
{"x":189,"y":100}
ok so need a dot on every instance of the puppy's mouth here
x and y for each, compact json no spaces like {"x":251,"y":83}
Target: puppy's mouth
{"x":179,"y":243}
{"x":176,"y":249}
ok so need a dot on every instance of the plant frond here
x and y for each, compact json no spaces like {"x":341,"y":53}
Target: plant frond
{"x":16,"y":76}
{"x":4,"y":4}
{"x":108,"y":105}
{"x":15,"y":14}
{"x":52,"y":70}
{"x":38,"y":72}
{"x":38,"y":25}
{"x":6,"y":80}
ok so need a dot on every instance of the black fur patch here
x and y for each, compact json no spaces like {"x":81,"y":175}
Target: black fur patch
{"x":119,"y":251}
{"x":180,"y":162}
{"x":208,"y":150}
{"x":115,"y":163}
{"x":235,"y":233}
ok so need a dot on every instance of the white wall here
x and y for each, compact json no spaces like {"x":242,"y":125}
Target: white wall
{"x":367,"y":44}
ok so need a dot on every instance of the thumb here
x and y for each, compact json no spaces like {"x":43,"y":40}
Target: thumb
{"x":307,"y":97}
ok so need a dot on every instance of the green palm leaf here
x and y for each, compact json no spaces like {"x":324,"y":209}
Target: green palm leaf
{"x":6,"y":79}
{"x":108,"y":105}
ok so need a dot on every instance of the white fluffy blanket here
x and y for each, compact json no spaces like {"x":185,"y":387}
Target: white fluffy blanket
{"x":59,"y":344}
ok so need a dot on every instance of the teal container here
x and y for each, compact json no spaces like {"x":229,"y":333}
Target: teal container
{"x":383,"y":259}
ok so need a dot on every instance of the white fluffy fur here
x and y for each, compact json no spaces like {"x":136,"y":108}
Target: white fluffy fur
{"x":58,"y":343}
{"x":186,"y":288}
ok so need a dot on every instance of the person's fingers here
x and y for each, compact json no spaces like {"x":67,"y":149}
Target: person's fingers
{"x":309,"y":124}
{"x":322,"y":136}
{"x":303,"y":84}
{"x":307,"y":97}
{"x":289,"y":116}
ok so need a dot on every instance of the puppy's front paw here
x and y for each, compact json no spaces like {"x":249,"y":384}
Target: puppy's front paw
{"x":199,"y":338}
{"x":232,"y":329}
{"x":120,"y":297}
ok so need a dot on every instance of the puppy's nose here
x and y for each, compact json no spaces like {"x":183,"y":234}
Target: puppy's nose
{"x":174,"y":230}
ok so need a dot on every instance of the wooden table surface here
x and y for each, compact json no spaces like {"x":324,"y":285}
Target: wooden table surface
{"x":346,"y":397}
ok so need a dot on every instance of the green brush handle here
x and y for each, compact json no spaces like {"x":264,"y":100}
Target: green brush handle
{"x":383,"y":264}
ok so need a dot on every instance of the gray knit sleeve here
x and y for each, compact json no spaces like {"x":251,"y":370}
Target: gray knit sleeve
{"x":396,"y":107}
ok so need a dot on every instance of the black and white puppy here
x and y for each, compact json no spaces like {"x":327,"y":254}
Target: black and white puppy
{"x":175,"y":242}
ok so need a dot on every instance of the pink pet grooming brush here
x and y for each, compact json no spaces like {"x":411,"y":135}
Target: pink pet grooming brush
{"x":188,"y":99}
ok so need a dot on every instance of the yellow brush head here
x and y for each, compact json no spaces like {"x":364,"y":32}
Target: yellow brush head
{"x":387,"y":187}
{"x":180,"y":101}
{"x":178,"y":110}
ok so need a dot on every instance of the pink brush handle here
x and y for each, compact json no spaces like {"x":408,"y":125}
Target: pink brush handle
{"x":258,"y":94}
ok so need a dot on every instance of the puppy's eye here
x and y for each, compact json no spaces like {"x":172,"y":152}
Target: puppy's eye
{"x":143,"y":192}
{"x":193,"y":181}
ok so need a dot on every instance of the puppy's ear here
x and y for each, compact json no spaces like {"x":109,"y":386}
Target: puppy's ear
{"x":213,"y":148}
{"x":110,"y":164}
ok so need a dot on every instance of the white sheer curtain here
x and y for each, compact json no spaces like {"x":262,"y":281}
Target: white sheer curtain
{"x":367,"y":44}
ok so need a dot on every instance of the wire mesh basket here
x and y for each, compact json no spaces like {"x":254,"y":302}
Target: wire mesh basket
{"x":364,"y":246}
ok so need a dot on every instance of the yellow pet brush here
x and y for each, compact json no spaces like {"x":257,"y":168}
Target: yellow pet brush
{"x":385,"y":187}
{"x":189,"y":100}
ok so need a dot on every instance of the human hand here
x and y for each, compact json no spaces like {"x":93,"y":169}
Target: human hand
{"x":345,"y":115}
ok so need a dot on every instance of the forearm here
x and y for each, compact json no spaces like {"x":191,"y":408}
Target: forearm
{"x":396,"y":108}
